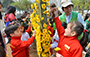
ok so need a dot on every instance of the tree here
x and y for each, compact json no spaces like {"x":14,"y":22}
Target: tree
{"x":22,"y":4}
{"x":81,"y":4}
{"x":39,"y":22}
{"x":6,"y":3}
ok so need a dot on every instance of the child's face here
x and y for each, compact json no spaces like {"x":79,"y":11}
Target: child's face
{"x":21,"y":29}
{"x":28,"y":15}
{"x":68,"y":31}
{"x":16,"y":33}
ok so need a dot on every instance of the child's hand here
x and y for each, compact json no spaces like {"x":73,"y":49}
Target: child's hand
{"x":34,"y":32}
{"x":55,"y":12}
{"x":4,"y":35}
{"x":30,"y":24}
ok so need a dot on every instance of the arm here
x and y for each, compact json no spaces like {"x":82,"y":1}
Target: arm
{"x":54,"y":45}
{"x":28,"y":30}
{"x":59,"y":27}
{"x":23,"y":44}
{"x":81,"y":20}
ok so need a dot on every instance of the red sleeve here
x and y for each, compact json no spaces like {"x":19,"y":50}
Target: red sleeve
{"x":12,"y":16}
{"x":24,"y":44}
{"x":52,"y":30}
{"x":59,"y":27}
{"x":77,"y":52}
{"x":28,"y":30}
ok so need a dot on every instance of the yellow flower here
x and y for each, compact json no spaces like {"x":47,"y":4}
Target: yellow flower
{"x":36,"y":7}
{"x":44,"y":30}
{"x":42,"y":18}
{"x":31,"y":6}
{"x":57,"y":7}
{"x":44,"y":55}
{"x":44,"y":0}
{"x":45,"y":12}
{"x":34,"y":4}
{"x":43,"y":37}
{"x":47,"y":20}
{"x":48,"y":0}
{"x":34,"y":10}
{"x":37,"y":16}
{"x":48,"y":36}
{"x":38,"y":20}
{"x":37,"y":1}
{"x":49,"y":11}
{"x":57,"y":49}
{"x":44,"y":25}
{"x":48,"y":3}
{"x":49,"y":31}
{"x":48,"y":14}
{"x":43,"y":6}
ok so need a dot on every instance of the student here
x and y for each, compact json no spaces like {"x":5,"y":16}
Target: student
{"x":10,"y":15}
{"x":87,"y":23}
{"x":68,"y":38}
{"x":18,"y":47}
{"x":25,"y":33}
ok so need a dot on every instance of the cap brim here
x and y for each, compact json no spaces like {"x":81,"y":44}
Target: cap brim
{"x":67,"y":4}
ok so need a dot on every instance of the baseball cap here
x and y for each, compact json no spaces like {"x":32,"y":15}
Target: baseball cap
{"x":65,"y":3}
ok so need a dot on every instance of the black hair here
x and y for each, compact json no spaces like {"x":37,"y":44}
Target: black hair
{"x":87,"y":16}
{"x":23,"y":16}
{"x":52,"y":5}
{"x":79,"y":28}
{"x":11,"y":9}
{"x":21,"y":23}
{"x":2,"y":52}
{"x":64,"y":25}
{"x":10,"y":29}
{"x":28,"y":13}
{"x":0,"y":3}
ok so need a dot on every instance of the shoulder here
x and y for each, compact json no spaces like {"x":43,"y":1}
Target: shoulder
{"x":16,"y":43}
{"x":75,"y":12}
{"x":11,"y":14}
{"x":76,"y":45}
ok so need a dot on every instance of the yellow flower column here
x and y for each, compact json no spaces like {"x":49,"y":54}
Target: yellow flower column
{"x":39,"y":22}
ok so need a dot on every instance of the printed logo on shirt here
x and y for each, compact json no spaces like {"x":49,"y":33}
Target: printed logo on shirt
{"x":67,"y":47}
{"x":58,"y":55}
{"x":12,"y":46}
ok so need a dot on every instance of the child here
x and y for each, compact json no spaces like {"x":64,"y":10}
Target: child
{"x":68,"y":38}
{"x":18,"y":47}
{"x":87,"y":23}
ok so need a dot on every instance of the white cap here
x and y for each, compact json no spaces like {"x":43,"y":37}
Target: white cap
{"x":65,"y":3}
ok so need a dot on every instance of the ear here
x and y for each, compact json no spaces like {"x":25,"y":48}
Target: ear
{"x":73,"y":33}
{"x":11,"y":34}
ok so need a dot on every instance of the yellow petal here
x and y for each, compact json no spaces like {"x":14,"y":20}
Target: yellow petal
{"x":57,"y":49}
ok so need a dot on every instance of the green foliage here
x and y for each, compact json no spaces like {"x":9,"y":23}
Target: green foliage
{"x":80,"y":3}
{"x":5,"y":3}
{"x":22,"y":5}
